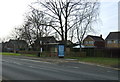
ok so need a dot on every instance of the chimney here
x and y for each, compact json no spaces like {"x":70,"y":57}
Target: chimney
{"x":101,"y":35}
{"x":18,"y":38}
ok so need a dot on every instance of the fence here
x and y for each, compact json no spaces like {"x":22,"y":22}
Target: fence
{"x":101,"y":52}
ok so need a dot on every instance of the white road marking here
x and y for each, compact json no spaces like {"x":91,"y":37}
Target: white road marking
{"x":17,"y":63}
{"x":30,"y":66}
{"x":70,"y":59}
{"x":75,"y":67}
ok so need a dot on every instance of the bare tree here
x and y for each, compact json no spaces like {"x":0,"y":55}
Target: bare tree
{"x":66,"y":17}
{"x":33,"y":20}
{"x":17,"y":33}
{"x":32,"y":28}
{"x":59,"y":11}
{"x":36,"y":19}
{"x":90,"y":11}
{"x":26,"y":33}
{"x":22,"y":33}
{"x":63,"y":13}
{"x":72,"y":34}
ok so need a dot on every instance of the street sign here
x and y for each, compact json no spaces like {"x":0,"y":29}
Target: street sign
{"x":61,"y":50}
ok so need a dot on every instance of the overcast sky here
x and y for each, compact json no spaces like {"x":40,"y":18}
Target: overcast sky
{"x":109,"y":17}
{"x":12,"y":14}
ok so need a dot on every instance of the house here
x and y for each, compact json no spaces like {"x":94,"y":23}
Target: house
{"x":14,"y":45}
{"x":94,"y":42}
{"x":44,"y":42}
{"x":113,"y":40}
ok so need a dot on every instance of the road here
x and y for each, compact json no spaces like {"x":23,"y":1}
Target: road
{"x":26,"y":68}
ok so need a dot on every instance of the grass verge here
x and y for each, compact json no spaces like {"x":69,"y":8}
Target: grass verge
{"x":16,"y":54}
{"x":99,"y":60}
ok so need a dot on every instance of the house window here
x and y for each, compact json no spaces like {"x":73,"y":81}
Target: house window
{"x":116,"y":41}
{"x":91,"y":42}
{"x":86,"y":42}
{"x":109,"y":42}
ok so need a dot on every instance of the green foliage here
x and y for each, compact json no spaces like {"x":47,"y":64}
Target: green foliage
{"x":17,"y":54}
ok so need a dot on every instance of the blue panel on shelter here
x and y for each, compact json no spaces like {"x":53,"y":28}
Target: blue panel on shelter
{"x":60,"y":50}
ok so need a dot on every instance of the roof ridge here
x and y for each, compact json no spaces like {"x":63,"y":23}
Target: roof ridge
{"x":113,"y":35}
{"x":115,"y":32}
{"x":94,"y":36}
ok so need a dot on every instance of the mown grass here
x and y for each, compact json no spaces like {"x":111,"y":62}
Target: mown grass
{"x":98,"y":60}
{"x":16,"y":54}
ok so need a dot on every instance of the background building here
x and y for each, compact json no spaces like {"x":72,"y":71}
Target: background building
{"x":94,"y":41}
{"x":113,"y":40}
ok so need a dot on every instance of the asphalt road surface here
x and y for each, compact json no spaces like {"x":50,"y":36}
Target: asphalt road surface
{"x":26,"y":68}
